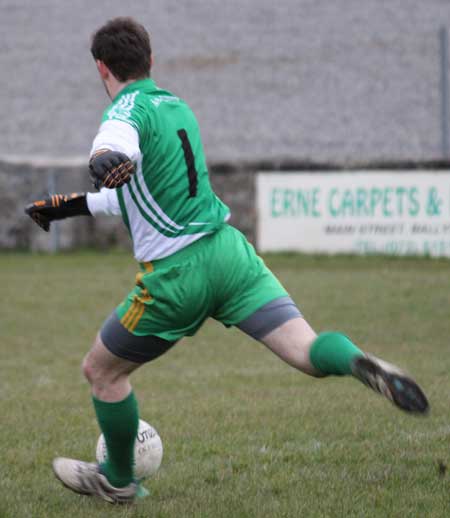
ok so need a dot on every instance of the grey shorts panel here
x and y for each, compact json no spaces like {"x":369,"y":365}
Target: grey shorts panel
{"x":269,"y":317}
{"x":122,"y":343}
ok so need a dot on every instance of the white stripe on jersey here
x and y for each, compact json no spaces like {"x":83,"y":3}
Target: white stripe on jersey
{"x":148,"y":196}
{"x":148,"y":243}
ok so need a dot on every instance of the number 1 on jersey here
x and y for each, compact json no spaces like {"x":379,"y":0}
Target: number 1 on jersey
{"x":190,"y":162}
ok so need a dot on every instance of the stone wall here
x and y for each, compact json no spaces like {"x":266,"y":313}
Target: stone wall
{"x":22,"y":182}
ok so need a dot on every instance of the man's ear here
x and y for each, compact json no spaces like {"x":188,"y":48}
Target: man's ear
{"x":103,"y":70}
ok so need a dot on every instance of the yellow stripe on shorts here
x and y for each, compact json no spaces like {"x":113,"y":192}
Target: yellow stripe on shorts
{"x":136,"y":319}
{"x":148,"y":266}
{"x":131,"y":318}
{"x":130,"y":314}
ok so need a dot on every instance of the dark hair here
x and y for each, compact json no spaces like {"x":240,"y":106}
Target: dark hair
{"x":124,"y":47}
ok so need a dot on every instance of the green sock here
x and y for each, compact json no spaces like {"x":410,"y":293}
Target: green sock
{"x":332,"y":353}
{"x":119,"y":423}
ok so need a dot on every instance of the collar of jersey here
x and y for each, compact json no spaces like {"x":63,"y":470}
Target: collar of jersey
{"x":147,"y":85}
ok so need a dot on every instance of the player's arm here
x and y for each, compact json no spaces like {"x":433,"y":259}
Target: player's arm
{"x":57,"y":206}
{"x":114,"y":153}
{"x":60,"y":206}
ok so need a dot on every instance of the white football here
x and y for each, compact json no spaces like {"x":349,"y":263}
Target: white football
{"x":148,"y":451}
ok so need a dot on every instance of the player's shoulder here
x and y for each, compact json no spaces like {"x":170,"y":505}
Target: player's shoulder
{"x":137,"y":101}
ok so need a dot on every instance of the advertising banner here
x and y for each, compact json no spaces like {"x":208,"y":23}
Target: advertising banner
{"x":376,"y":212}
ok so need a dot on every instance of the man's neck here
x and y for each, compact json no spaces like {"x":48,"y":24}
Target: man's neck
{"x":114,"y":86}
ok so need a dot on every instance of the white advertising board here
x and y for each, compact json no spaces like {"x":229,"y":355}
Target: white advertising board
{"x":376,"y":212}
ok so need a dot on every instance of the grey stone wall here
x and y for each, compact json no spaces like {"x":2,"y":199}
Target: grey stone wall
{"x":22,"y":182}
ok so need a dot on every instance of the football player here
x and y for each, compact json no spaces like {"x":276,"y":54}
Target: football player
{"x":148,"y":163}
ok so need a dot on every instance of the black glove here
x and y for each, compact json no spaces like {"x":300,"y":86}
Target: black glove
{"x":58,"y":206}
{"x":110,"y":169}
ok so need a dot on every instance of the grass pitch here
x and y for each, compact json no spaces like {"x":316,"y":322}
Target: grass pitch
{"x":244,"y":434}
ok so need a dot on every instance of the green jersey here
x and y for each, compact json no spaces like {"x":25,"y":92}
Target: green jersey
{"x":169,"y":202}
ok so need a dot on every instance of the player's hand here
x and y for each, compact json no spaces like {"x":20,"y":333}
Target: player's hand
{"x":39,"y":212}
{"x":58,"y":206}
{"x":110,"y":169}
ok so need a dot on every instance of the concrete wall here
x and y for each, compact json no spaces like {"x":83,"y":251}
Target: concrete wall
{"x":355,"y":80}
{"x":22,"y":182}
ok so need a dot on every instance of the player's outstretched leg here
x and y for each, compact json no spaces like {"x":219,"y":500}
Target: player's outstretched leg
{"x":333,"y":353}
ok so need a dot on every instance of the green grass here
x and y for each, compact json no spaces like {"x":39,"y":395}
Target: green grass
{"x":244,"y":434}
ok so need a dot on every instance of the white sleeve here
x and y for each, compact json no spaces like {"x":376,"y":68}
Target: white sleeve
{"x":117,"y":136}
{"x":103,"y":202}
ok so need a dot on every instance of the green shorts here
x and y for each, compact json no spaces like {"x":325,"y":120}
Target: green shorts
{"x":218,"y":276}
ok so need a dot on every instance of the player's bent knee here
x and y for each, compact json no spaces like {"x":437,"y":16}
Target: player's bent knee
{"x":94,"y":365}
{"x":100,"y":376}
{"x":88,"y":370}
